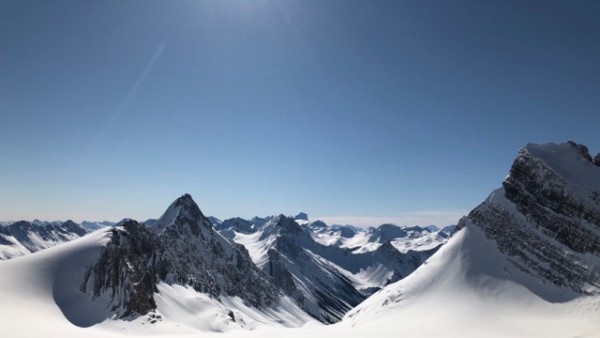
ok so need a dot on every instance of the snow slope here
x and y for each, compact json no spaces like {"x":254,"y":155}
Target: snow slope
{"x":40,"y":294}
{"x":469,"y":289}
{"x":464,"y":290}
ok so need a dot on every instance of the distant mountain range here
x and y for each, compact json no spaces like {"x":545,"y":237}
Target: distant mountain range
{"x":531,"y":248}
{"x":325,"y":270}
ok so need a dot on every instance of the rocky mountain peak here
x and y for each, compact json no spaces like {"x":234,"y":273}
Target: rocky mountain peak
{"x":546,"y":216}
{"x":301,"y":216}
{"x":182,"y":212}
{"x":181,"y":248}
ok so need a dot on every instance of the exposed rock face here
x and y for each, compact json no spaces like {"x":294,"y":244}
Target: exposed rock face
{"x":204,"y":259}
{"x":127,"y":271}
{"x":597,"y":159}
{"x":547,"y":216}
{"x":181,"y":247}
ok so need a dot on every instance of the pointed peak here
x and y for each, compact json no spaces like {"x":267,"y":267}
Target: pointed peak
{"x":184,"y":210}
{"x":287,"y":223}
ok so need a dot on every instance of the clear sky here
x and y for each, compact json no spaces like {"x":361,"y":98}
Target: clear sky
{"x":353,"y":111}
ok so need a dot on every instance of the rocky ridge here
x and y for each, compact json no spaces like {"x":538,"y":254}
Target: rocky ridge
{"x":546,"y":216}
{"x":182,"y":248}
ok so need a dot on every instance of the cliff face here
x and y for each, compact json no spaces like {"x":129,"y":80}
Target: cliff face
{"x":127,"y":270}
{"x":546,"y":217}
{"x":182,"y":248}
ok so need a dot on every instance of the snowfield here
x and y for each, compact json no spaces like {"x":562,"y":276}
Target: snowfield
{"x":466,"y":289}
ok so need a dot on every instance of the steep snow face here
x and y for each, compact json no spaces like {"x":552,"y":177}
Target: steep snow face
{"x":325,"y":280}
{"x":282,"y":249}
{"x":21,"y":238}
{"x":546,"y":218}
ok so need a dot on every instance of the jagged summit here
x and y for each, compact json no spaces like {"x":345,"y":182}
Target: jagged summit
{"x":546,"y":216}
{"x":301,"y":216}
{"x":182,"y":211}
{"x":182,"y":248}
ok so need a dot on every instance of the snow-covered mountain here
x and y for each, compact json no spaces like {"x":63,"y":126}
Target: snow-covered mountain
{"x":360,"y":240}
{"x":181,"y":249}
{"x":326,"y":280}
{"x":525,"y":262}
{"x":22,"y":237}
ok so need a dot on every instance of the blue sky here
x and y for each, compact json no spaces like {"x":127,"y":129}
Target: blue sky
{"x":353,"y":111}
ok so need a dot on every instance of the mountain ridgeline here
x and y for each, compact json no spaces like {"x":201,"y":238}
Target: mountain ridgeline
{"x":546,"y":216}
{"x":182,"y":247}
{"x":330,"y":270}
{"x":540,"y":230}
